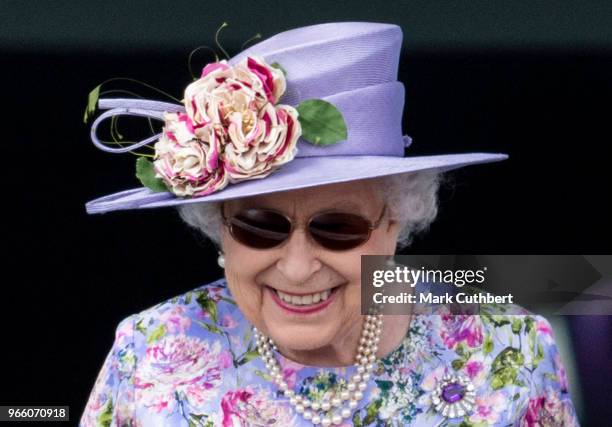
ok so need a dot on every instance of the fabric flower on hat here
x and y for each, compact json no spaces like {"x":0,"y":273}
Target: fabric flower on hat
{"x":232,"y":130}
{"x":188,"y":164}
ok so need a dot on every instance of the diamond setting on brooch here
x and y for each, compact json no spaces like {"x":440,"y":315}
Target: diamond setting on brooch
{"x":453,"y":396}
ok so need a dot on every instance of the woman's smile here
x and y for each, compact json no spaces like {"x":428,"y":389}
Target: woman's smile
{"x":302,"y":304}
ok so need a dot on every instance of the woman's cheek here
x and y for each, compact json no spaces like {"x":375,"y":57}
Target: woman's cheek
{"x":246,"y":294}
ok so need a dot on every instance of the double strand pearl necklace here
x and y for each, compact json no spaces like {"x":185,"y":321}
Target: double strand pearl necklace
{"x":318,"y":413}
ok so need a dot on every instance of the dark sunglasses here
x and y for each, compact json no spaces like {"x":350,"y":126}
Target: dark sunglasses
{"x":268,"y":228}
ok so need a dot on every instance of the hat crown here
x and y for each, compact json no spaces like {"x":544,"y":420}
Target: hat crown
{"x":325,"y":59}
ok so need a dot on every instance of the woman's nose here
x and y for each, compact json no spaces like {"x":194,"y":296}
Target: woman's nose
{"x":299,"y":258}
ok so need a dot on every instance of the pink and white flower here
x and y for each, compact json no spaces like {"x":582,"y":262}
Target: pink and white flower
{"x":175,"y":319}
{"x":259,"y":142}
{"x":476,"y":368}
{"x":124,"y":333}
{"x":461,"y":328}
{"x":550,"y":410}
{"x":225,"y":359}
{"x":188,"y":164}
{"x":232,"y":130}
{"x":253,"y":406}
{"x":228,"y":322}
{"x":214,"y":293}
{"x":200,"y":103}
{"x":488,"y":408}
{"x":178,"y":365}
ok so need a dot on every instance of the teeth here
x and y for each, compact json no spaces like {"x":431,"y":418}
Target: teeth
{"x":304,"y":299}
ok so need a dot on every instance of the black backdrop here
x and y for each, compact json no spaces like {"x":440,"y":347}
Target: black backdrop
{"x":69,"y":278}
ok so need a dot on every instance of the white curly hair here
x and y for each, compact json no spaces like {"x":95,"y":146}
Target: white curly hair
{"x":412,"y":200}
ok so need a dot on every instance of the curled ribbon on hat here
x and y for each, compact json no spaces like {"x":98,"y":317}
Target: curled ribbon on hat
{"x":135,"y":108}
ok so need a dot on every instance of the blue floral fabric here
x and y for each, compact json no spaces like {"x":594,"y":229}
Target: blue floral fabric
{"x":192,"y":361}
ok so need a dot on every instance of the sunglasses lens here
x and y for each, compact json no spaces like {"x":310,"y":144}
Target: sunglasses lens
{"x":259,"y":228}
{"x":339,"y":231}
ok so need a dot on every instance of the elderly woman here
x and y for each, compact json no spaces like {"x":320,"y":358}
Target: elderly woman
{"x":280,"y":339}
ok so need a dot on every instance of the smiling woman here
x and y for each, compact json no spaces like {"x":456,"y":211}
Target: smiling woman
{"x":280,"y":339}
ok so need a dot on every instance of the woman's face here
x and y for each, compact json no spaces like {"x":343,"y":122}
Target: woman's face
{"x":300,"y":267}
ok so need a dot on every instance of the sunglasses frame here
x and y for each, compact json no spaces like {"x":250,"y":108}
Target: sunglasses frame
{"x":371,"y":226}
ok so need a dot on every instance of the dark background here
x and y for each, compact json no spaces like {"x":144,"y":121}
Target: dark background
{"x":531,"y":80}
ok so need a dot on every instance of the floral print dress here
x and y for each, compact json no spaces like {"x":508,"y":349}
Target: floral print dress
{"x":192,"y":361}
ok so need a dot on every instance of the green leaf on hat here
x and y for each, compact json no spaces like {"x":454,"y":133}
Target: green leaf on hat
{"x":92,"y":101}
{"x":146,"y":174}
{"x":278,"y":67}
{"x":322,"y":123}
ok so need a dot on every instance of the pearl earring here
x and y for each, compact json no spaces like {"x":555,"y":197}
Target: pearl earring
{"x":221,"y":260}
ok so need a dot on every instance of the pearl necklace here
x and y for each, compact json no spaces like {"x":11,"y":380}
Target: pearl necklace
{"x":365,"y":362}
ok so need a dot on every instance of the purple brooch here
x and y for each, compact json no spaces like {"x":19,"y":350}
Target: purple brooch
{"x":453,"y":396}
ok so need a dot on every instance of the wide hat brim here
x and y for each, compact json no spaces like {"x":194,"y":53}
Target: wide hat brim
{"x":299,"y":173}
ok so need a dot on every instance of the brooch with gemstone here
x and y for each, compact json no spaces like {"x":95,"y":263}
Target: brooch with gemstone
{"x":453,"y":396}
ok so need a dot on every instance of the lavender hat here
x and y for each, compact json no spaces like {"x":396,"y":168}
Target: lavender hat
{"x":350,"y":65}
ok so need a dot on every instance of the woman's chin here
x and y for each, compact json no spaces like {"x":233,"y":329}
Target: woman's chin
{"x":302,"y":337}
